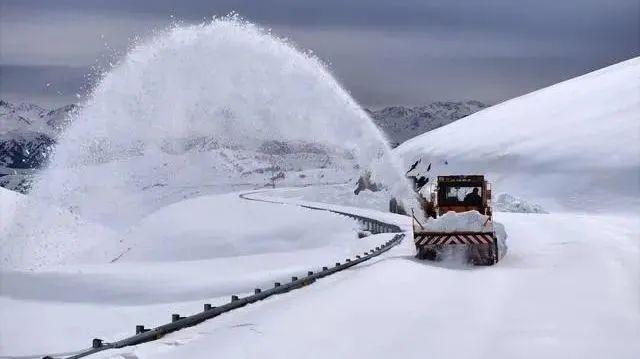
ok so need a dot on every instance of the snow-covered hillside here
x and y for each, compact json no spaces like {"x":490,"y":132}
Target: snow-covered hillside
{"x":401,"y":123}
{"x":571,"y":146}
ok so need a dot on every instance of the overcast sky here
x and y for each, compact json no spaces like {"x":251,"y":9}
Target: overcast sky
{"x":383,"y":52}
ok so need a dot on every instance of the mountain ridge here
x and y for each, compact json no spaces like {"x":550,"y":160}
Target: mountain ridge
{"x":400,"y":123}
{"x":28,"y":132}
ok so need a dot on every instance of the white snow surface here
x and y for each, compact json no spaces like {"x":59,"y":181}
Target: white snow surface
{"x":239,"y":228}
{"x":508,"y":203}
{"x":178,"y":257}
{"x":567,"y":288}
{"x":573,"y":146}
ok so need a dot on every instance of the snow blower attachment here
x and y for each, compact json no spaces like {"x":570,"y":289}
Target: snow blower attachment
{"x":455,"y":224}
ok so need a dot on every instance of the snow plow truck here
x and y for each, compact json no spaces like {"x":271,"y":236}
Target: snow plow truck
{"x":460,"y":194}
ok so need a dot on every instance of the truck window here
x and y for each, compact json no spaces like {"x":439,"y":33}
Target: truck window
{"x":456,"y":194}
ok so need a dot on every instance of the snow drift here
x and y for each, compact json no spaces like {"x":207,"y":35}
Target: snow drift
{"x":571,"y":146}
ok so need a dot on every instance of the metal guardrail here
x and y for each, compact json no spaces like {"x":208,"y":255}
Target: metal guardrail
{"x":178,"y":322}
{"x":372,"y":225}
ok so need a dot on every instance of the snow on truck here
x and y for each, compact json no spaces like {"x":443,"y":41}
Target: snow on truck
{"x":459,"y":219}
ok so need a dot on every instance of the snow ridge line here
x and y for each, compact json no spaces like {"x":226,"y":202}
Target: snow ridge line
{"x":144,"y":335}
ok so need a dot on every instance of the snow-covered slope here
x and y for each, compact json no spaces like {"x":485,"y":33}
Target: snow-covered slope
{"x":574,"y":145}
{"x":401,"y":123}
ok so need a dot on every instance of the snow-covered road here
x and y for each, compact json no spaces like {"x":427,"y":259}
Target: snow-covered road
{"x":568,"y":288}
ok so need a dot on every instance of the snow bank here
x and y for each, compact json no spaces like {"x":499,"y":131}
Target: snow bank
{"x":508,"y":203}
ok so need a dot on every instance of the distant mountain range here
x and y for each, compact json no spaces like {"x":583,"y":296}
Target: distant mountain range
{"x":401,"y":123}
{"x":28,"y":132}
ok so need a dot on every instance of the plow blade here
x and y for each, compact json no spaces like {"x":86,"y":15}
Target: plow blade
{"x":481,"y":248}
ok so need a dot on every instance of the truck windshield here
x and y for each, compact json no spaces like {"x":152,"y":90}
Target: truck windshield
{"x":457,"y":194}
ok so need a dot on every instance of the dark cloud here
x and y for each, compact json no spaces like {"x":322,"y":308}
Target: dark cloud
{"x":383,"y":51}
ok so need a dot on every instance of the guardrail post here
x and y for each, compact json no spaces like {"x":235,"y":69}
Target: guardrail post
{"x":257,"y":291}
{"x":207,"y":306}
{"x":309,"y":273}
{"x":234,"y":298}
{"x":294,"y":278}
{"x":358,"y":257}
{"x":324,"y":269}
{"x":348,"y":260}
{"x":276,"y":284}
{"x":175,"y":317}
{"x":96,"y":343}
{"x":337,"y":264}
{"x":140,"y":329}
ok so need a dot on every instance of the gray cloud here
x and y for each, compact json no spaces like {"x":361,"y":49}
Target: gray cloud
{"x":384,"y":52}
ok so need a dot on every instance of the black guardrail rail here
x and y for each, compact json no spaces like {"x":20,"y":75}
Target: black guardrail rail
{"x":143,"y":335}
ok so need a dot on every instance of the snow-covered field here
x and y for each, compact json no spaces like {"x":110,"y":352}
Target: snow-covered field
{"x":196,"y":250}
{"x":567,"y":288}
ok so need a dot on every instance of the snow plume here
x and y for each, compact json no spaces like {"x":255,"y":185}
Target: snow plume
{"x":194,"y":107}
